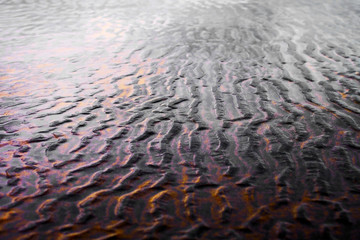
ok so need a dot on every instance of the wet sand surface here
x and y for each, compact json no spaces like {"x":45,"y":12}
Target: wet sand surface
{"x":180,"y":119}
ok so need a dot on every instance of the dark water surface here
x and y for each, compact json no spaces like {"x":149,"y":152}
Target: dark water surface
{"x":187,"y":119}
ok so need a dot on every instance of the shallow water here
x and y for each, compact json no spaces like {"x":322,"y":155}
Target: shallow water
{"x":187,"y":119}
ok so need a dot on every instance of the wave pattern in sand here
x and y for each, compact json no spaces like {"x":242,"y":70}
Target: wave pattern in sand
{"x":179,"y":119}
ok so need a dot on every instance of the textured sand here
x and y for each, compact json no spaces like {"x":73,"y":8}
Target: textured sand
{"x":186,"y":119}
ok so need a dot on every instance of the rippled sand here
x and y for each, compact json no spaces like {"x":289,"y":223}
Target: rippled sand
{"x":187,"y":119}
